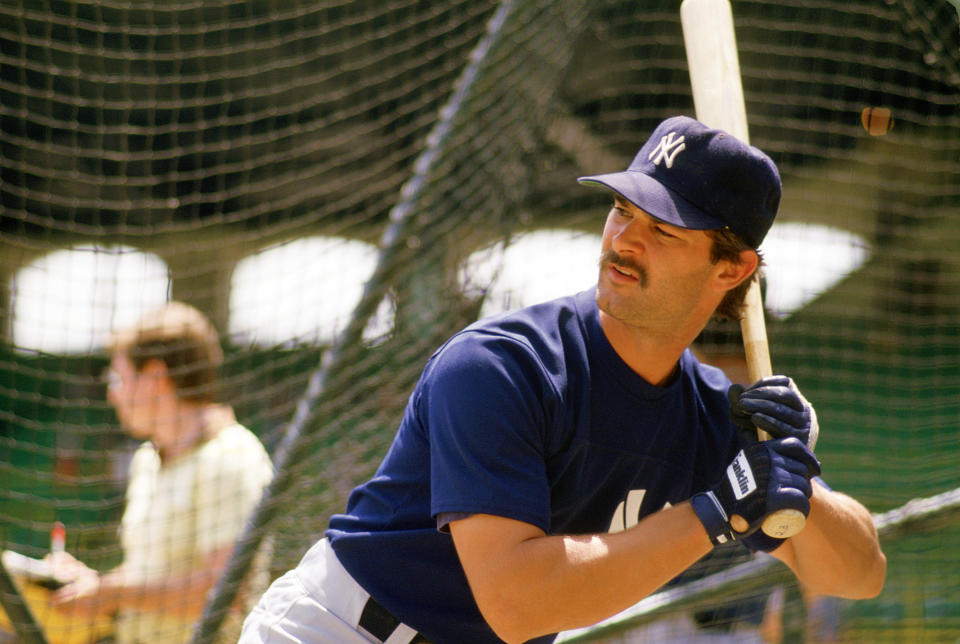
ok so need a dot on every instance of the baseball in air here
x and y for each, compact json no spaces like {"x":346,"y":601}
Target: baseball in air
{"x":876,"y":120}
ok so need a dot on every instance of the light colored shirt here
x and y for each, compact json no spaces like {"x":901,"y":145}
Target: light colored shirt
{"x":176,"y":515}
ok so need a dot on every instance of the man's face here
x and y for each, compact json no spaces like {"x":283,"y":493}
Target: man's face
{"x":653,"y":275}
{"x":133,"y":396}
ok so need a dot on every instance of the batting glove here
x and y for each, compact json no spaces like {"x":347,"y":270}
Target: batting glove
{"x":763,"y":478}
{"x":775,"y":405}
{"x":760,"y":540}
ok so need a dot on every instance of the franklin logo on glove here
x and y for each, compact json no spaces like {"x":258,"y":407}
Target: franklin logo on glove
{"x":741,"y":476}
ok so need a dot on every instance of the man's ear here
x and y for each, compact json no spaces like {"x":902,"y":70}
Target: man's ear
{"x":732,"y":274}
{"x":157,"y":371}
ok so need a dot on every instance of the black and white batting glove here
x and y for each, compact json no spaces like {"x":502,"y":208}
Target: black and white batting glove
{"x":775,"y":405}
{"x":763,"y":478}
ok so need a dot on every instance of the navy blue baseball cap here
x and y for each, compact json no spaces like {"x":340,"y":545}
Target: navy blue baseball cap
{"x":700,"y":178}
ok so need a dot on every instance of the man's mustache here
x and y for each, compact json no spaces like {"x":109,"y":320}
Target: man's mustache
{"x":611,"y":256}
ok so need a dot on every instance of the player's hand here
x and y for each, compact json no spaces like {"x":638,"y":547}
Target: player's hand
{"x":763,"y":478}
{"x":775,"y":405}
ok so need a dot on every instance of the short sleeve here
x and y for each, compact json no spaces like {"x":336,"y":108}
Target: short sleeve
{"x":231,"y":478}
{"x":488,"y":405}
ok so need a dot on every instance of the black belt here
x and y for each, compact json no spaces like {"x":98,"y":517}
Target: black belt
{"x":379,"y":622}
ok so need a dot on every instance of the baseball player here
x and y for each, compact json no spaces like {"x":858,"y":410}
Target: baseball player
{"x":559,"y":463}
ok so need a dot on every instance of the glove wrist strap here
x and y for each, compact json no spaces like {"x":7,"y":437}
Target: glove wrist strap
{"x":713,"y":517}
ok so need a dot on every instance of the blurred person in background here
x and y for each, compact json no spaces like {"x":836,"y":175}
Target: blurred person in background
{"x":193,"y":483}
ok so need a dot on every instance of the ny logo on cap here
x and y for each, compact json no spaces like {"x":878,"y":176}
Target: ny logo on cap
{"x":667,"y":150}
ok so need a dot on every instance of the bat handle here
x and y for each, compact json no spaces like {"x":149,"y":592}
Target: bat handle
{"x":754,"y":330}
{"x":711,"y":46}
{"x":782,"y":523}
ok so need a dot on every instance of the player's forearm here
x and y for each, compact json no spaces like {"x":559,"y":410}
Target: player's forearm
{"x":838,"y":552}
{"x":551,"y":583}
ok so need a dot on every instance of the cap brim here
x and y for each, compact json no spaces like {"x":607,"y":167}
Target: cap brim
{"x":655,"y":199}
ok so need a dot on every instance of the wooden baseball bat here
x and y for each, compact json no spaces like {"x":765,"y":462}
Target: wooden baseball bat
{"x":718,"y":99}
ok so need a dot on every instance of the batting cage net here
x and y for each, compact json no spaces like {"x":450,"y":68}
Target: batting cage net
{"x":339,"y":186}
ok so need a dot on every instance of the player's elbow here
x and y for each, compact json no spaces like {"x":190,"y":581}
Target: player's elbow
{"x":507,"y":619}
{"x":872,"y":575}
{"x":865,"y":583}
{"x":872,"y":584}
{"x":511,"y":633}
{"x":513,"y":612}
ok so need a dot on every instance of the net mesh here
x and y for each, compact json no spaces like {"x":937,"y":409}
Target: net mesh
{"x":265,"y":160}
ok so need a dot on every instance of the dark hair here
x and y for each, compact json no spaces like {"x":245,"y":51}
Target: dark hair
{"x":727,"y":245}
{"x":185,"y":341}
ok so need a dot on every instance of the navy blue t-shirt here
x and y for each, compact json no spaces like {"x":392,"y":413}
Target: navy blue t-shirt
{"x":529,"y":415}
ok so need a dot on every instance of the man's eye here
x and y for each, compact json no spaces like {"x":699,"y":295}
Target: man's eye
{"x":663,"y":232}
{"x":621,"y":212}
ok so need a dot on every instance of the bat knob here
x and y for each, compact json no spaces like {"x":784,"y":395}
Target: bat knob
{"x":783,"y":523}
